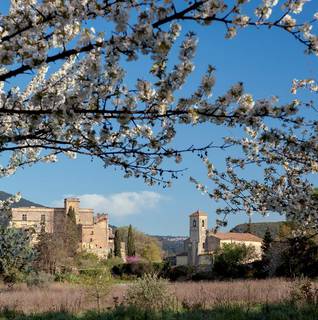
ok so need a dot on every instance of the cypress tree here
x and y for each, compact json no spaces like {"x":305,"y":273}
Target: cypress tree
{"x":117,"y":244}
{"x":71,"y":233}
{"x":71,"y":215}
{"x":266,"y":245}
{"x":267,"y":242}
{"x":131,"y":250}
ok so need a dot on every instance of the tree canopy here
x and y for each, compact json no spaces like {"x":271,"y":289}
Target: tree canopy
{"x":78,"y":100}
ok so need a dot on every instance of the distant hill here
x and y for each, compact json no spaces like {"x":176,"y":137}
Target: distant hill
{"x":259,"y":228}
{"x":22,"y":203}
{"x":171,"y":245}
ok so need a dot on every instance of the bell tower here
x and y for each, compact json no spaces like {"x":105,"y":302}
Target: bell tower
{"x":198,"y":230}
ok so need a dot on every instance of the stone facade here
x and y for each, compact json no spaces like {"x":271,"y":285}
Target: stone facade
{"x":96,"y":235}
{"x":202,"y":243}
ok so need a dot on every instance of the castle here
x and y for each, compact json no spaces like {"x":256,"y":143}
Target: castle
{"x":202,"y":242}
{"x":95,"y":234}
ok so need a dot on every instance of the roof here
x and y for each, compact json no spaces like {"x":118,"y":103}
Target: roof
{"x":198,"y":213}
{"x":235,"y":236}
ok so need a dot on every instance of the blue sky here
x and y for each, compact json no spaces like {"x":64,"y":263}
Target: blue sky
{"x":265,"y":60}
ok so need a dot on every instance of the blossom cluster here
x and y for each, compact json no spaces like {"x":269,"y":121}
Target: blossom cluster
{"x":78,"y":99}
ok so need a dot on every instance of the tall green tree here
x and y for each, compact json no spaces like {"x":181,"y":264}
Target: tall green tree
{"x":16,"y":254}
{"x":71,"y":233}
{"x":266,"y":246}
{"x":117,"y":243}
{"x":131,"y":249}
{"x":71,"y":216}
{"x":266,"y":243}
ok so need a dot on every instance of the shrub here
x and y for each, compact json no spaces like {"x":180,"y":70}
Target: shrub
{"x":180,"y":273}
{"x":303,"y":291}
{"x":203,"y":275}
{"x":149,"y":293}
{"x":38,"y":279}
{"x":137,"y":269}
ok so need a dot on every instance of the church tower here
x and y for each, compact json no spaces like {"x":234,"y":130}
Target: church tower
{"x":198,"y":231}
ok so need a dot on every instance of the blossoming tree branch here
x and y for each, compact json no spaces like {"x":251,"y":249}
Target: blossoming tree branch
{"x":78,"y":100}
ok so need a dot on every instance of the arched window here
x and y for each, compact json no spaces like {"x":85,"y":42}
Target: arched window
{"x":194,"y":223}
{"x":202,"y":223}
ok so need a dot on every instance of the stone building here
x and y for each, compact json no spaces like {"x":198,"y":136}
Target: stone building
{"x":96,"y":235}
{"x":201,"y":244}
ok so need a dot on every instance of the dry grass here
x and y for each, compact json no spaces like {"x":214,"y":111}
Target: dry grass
{"x":54,"y":297}
{"x":71,"y":298}
{"x":212,"y":293}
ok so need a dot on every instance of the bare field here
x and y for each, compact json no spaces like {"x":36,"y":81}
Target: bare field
{"x":71,"y":298}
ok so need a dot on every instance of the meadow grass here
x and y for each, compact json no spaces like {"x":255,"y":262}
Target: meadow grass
{"x":55,"y":297}
{"x":233,"y":312}
{"x":270,"y":299}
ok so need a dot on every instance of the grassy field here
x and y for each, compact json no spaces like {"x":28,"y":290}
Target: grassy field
{"x":272,"y":299}
{"x":260,"y":312}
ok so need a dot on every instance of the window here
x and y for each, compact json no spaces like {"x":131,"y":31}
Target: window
{"x":92,"y":232}
{"x":202,"y":223}
{"x":91,"y":240}
{"x":194,"y":223}
{"x":203,"y":245}
{"x":24,"y":217}
{"x":43,"y":218}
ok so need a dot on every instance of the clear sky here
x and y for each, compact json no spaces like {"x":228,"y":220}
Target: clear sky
{"x":265,"y":60}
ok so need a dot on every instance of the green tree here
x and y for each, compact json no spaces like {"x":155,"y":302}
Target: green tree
{"x":117,"y":244}
{"x":230,"y":260}
{"x":131,"y":250}
{"x":71,"y":234}
{"x":71,"y":215}
{"x":300,"y":258}
{"x":152,"y":252}
{"x":266,"y":253}
{"x":266,"y":244}
{"x":16,"y":254}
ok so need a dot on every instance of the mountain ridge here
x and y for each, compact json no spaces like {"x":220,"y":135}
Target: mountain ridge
{"x":22,"y":203}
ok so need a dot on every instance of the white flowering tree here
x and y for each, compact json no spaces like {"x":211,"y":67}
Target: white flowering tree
{"x":78,"y":101}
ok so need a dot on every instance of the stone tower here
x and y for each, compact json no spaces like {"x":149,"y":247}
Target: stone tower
{"x":198,"y":231}
{"x":72,"y":203}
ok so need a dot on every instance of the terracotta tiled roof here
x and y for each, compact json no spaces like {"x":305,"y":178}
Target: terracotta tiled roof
{"x":235,"y":236}
{"x":198,"y":213}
